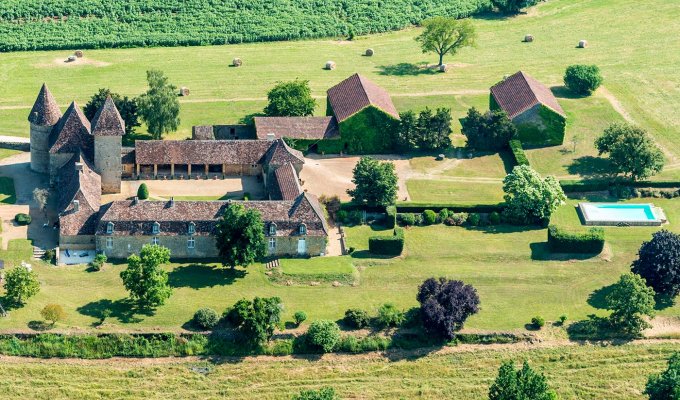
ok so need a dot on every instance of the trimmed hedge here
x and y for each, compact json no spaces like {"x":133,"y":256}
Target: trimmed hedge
{"x":23,"y":219}
{"x":409,"y":207}
{"x":387,"y":245}
{"x":588,"y":242}
{"x":598,"y":185}
{"x":518,"y":152}
{"x":391,"y":219}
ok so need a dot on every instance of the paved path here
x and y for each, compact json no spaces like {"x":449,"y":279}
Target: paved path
{"x":14,"y":139}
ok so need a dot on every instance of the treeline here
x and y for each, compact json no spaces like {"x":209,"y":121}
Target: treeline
{"x":87,"y":24}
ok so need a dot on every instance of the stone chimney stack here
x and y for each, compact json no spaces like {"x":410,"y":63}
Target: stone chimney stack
{"x":76,"y":205}
{"x":135,"y":201}
{"x":79,"y":166}
{"x":172,"y":202}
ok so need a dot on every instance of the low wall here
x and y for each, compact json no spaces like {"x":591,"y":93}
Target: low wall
{"x":21,"y":146}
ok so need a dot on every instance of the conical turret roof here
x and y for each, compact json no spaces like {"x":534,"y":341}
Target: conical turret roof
{"x":107,"y":121}
{"x":45,"y":111}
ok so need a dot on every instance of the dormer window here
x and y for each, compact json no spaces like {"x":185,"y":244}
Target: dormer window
{"x":272,"y":229}
{"x":302,"y":229}
{"x":109,"y":228}
{"x":192,"y":228}
{"x":156,"y":229}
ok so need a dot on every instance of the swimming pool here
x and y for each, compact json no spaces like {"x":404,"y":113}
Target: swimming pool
{"x":609,"y":214}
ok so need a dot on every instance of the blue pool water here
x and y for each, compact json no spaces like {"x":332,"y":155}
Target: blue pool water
{"x":619,"y":212}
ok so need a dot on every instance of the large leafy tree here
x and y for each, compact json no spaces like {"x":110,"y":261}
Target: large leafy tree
{"x":127,"y":107}
{"x":425,"y":131}
{"x":658,"y":263}
{"x":240,"y":236}
{"x":375,"y":183}
{"x":407,"y":131}
{"x":256,"y":319}
{"x":445,"y":305}
{"x":444,"y":36}
{"x":20,"y":284}
{"x":631,"y":151}
{"x":582,"y":79}
{"x":529,"y":198}
{"x":159,"y":106}
{"x":630,"y":301}
{"x":521,"y":384}
{"x":513,"y":6}
{"x":490,"y":131}
{"x":144,"y":278}
{"x":665,"y":386}
{"x":290,"y":99}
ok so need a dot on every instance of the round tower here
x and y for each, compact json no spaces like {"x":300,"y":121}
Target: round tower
{"x":108,"y":129}
{"x":43,"y":117}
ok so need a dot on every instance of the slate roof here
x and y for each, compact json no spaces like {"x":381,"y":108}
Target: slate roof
{"x":356,"y":93}
{"x":72,"y":134}
{"x":203,"y":132}
{"x":174,"y":219}
{"x":310,"y":128}
{"x":212,"y":152}
{"x":520,"y":92}
{"x":127,"y":155}
{"x":279,"y":153}
{"x":107,"y":121}
{"x":83,"y":185}
{"x":45,"y":111}
{"x":286,"y":184}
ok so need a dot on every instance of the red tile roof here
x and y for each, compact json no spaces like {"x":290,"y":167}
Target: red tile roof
{"x":280,"y":153}
{"x":45,"y":110}
{"x":107,"y":121}
{"x":213,"y":152}
{"x":520,"y":92}
{"x":286,"y":184}
{"x":356,"y":93}
{"x":297,"y":127}
{"x":76,"y":180}
{"x":72,"y":134}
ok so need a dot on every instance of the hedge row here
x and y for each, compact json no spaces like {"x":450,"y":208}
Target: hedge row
{"x":588,"y":242}
{"x":518,"y":152}
{"x":598,"y":185}
{"x":387,"y":245}
{"x":408,"y":207}
{"x":391,"y":219}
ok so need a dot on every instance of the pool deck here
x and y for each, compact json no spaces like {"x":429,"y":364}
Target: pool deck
{"x":590,"y":220}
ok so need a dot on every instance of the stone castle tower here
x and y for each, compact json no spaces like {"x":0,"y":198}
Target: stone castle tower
{"x":108,"y":129}
{"x":43,"y":117}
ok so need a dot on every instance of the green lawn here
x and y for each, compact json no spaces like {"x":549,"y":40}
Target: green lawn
{"x":459,"y":192}
{"x":317,"y":266}
{"x":7,"y":192}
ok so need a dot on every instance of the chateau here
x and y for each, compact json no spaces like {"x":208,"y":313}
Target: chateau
{"x":86,"y":159}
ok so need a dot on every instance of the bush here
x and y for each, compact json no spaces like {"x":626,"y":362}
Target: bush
{"x":341,"y":216}
{"x":518,"y":152}
{"x":588,"y":242}
{"x":22,"y":219}
{"x":411,"y":207}
{"x":658,"y":263}
{"x":143,"y":192}
{"x":387,"y":245}
{"x":324,"y":335}
{"x":429,"y":217}
{"x":494,"y":218}
{"x":406,"y":219}
{"x":582,"y":79}
{"x":457,"y":219}
{"x":206,"y":318}
{"x":538,"y":322}
{"x":53,"y":313}
{"x":49,"y":255}
{"x":563,"y":319}
{"x":391,"y":219}
{"x":445,"y":305}
{"x":390,"y":315}
{"x":325,"y":393}
{"x":98,"y":262}
{"x":299,"y":317}
{"x":356,"y":318}
{"x":246,"y":196}
{"x":443,"y":215}
{"x":473,"y":219}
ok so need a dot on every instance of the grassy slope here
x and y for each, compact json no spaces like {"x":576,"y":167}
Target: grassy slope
{"x":576,"y":372}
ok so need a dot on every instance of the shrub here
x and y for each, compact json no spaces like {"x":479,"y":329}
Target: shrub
{"x":299,"y":317}
{"x":658,"y":263}
{"x":538,"y":322}
{"x":473,"y":219}
{"x":530,"y":198}
{"x":443,"y":215}
{"x":406,"y":219}
{"x":445,"y":305}
{"x":563,"y":319}
{"x":206,"y":318}
{"x":22,"y":219}
{"x":588,"y":242}
{"x":143,"y":192}
{"x":390,"y":315}
{"x":391,"y":219}
{"x":457,"y":219}
{"x":632,"y":303}
{"x":53,"y":313}
{"x":429,"y":217}
{"x":325,"y":393}
{"x":98,"y":262}
{"x":387,"y":245}
{"x":341,"y":216}
{"x":494,"y":218}
{"x":49,"y":255}
{"x":666,"y":385}
{"x":356,"y":318}
{"x":417,"y":219}
{"x":582,"y":79}
{"x":324,"y":335}
{"x":518,"y":152}
{"x":246,"y":196}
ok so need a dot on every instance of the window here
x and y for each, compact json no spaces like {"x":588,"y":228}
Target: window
{"x":109,"y":228}
{"x":154,"y":241}
{"x":303,"y":229}
{"x":272,"y":229}
{"x":272,"y":244}
{"x":191,"y":243}
{"x":156,"y":229}
{"x":109,"y":242}
{"x":192,"y":228}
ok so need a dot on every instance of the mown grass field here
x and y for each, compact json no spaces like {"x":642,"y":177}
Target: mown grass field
{"x":575,"y":372}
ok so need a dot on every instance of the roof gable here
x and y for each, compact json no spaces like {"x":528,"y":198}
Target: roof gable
{"x":280,"y":153}
{"x":72,"y":134}
{"x":286,"y":184}
{"x":520,"y":92}
{"x":107,"y":121}
{"x":297,"y":127}
{"x":356,"y":93}
{"x":77,"y":180}
{"x":45,"y":111}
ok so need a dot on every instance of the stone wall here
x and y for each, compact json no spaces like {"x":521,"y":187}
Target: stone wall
{"x":57,"y":161}
{"x":39,"y":147}
{"x":79,"y":242}
{"x":107,"y":150}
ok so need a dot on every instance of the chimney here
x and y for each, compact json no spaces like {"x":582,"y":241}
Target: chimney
{"x":79,"y":166}
{"x":172,"y":202}
{"x":271,"y":137}
{"x":135,"y":201}
{"x":76,"y":205}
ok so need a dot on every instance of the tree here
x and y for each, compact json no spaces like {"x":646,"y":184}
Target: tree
{"x":159,"y":106}
{"x":658,"y":263}
{"x":375,"y":183}
{"x":144,"y":278}
{"x":53,"y":313}
{"x":583,"y":79}
{"x":290,"y":99}
{"x":513,"y":6}
{"x":325,"y":393}
{"x":521,"y":384}
{"x":256,"y":319}
{"x":406,"y":131}
{"x":445,"y":305}
{"x":20,"y":284}
{"x":490,"y":131}
{"x":240,"y":236}
{"x":41,"y":196}
{"x":435,"y":129}
{"x":143,"y":192}
{"x":323,"y":334}
{"x":390,"y":315}
{"x":631,"y":151}
{"x":127,"y":107}
{"x":444,"y":36}
{"x":665,"y":386}
{"x":529,"y":198}
{"x":206,"y":318}
{"x":630,"y":300}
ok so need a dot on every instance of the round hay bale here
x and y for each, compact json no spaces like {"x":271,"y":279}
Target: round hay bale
{"x":71,"y":58}
{"x":330,"y":65}
{"x":369,"y":53}
{"x":237,"y":62}
{"x":184,"y":91}
{"x":528,"y":38}
{"x":582,"y":44}
{"x":79,"y":53}
{"x":443,"y":68}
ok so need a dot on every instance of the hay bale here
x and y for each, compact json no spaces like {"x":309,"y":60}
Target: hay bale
{"x":71,"y":58}
{"x":184,"y":91}
{"x":582,"y":44}
{"x":443,"y":68}
{"x":528,"y":38}
{"x":330,"y":65}
{"x":369,"y":53}
{"x":79,"y":53}
{"x":237,"y":62}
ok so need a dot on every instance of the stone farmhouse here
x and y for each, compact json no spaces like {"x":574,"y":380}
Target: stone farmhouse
{"x":85,"y":160}
{"x":532,"y":107}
